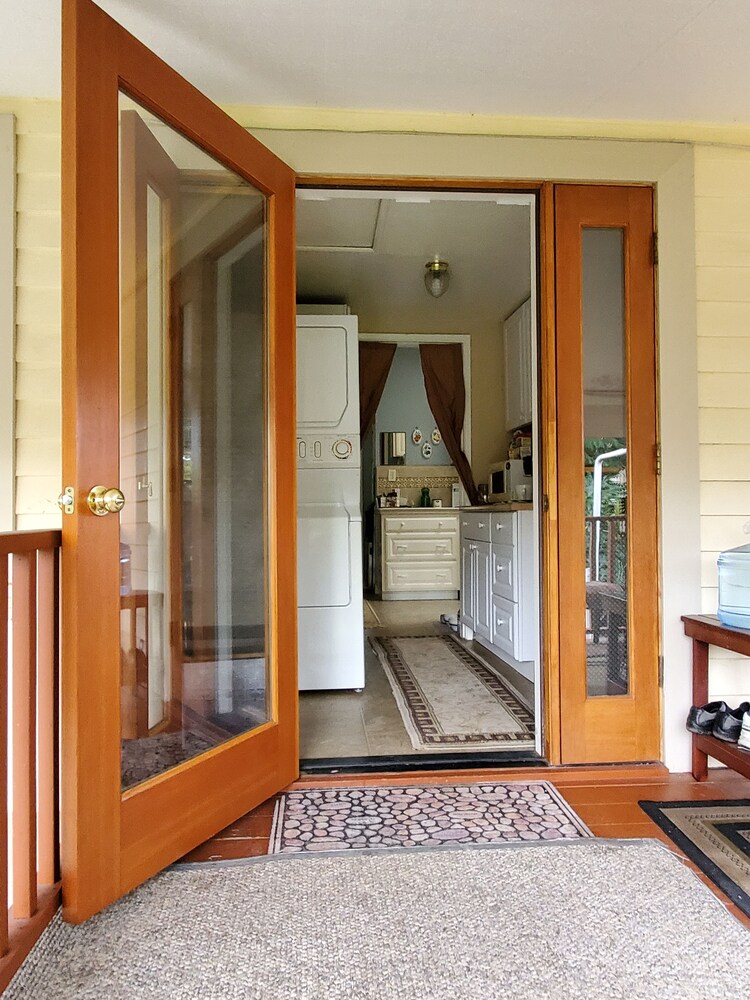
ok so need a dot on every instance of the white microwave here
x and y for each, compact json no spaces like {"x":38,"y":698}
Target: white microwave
{"x":504,"y":477}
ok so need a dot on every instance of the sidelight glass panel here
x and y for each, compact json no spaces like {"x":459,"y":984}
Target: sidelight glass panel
{"x":605,"y":462}
{"x":195,"y":668}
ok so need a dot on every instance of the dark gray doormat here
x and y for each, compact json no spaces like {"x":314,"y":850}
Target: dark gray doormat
{"x":579,"y":921}
{"x":715,"y":835}
{"x":384,"y":816}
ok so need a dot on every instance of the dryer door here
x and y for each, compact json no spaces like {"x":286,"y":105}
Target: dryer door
{"x":327,"y":374}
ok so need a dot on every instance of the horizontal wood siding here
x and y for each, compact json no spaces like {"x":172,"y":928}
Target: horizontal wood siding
{"x":37,"y":306}
{"x":722,"y":212}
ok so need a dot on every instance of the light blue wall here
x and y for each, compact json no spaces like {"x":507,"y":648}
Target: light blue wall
{"x":404,"y":406}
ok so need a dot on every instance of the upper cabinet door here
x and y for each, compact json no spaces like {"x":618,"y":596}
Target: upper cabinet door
{"x":518,"y":381}
{"x":608,"y":539}
{"x":179,"y":568}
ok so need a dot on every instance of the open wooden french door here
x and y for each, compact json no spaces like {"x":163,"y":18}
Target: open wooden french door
{"x":179,"y":692}
{"x":607,"y":488}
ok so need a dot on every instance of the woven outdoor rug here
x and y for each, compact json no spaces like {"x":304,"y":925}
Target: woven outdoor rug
{"x":335,"y":819}
{"x":587,"y":920}
{"x":449,"y":699}
{"x":715,"y":835}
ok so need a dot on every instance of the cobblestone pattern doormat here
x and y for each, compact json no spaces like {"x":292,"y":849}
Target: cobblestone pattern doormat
{"x":449,"y":699}
{"x":372,"y":817}
{"x":715,"y":835}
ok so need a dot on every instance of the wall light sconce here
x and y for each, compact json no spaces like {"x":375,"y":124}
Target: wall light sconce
{"x":436,"y":276}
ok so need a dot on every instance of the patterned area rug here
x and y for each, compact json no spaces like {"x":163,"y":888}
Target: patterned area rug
{"x":449,"y":699}
{"x":715,"y":835}
{"x":335,"y":819}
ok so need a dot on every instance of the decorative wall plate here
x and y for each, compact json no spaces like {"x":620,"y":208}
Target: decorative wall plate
{"x":436,"y":436}
{"x":416,"y":436}
{"x":426,"y":450}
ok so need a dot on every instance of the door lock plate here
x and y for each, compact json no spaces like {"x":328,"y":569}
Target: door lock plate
{"x":67,"y":500}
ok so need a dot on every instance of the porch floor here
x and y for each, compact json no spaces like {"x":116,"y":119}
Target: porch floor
{"x":606,"y":799}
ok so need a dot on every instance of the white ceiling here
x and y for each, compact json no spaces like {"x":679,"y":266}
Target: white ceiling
{"x":487,"y":246}
{"x":679,"y":60}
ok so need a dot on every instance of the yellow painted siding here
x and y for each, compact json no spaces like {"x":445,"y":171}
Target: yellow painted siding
{"x":722,"y":211}
{"x":37,"y":311}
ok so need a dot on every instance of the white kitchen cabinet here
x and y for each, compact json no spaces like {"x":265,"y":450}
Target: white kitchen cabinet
{"x":419,"y":554}
{"x":499,"y":604}
{"x":468,"y":584}
{"x":475,"y":587}
{"x":518,"y":382}
{"x":483,"y":617}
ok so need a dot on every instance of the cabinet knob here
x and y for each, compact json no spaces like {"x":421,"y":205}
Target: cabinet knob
{"x":480,"y":524}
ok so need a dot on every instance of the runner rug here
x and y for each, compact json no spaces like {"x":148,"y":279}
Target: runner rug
{"x":715,"y":835}
{"x":449,"y":699}
{"x":334,"y":819}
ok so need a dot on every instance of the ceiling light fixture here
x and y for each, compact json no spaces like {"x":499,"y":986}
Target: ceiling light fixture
{"x":436,"y":277}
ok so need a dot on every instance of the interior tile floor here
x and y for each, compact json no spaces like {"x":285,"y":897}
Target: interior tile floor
{"x":606,"y":799}
{"x":368,"y":724}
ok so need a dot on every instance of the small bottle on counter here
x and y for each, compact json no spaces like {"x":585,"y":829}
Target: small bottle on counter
{"x":424,"y":499}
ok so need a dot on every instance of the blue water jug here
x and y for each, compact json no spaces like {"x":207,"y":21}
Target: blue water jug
{"x":734,"y":587}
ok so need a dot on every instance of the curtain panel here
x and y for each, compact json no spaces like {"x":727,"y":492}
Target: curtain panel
{"x":443,"y":371}
{"x":375,"y":360}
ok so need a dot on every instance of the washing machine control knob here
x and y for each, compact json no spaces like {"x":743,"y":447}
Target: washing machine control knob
{"x":342,"y":448}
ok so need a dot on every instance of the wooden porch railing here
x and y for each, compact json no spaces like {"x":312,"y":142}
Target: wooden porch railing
{"x":606,"y":542}
{"x":29,"y":814}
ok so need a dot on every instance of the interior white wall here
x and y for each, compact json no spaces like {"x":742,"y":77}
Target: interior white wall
{"x":670,"y":167}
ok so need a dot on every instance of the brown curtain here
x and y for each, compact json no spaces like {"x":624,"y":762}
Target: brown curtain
{"x":443,"y":370}
{"x":375,"y":361}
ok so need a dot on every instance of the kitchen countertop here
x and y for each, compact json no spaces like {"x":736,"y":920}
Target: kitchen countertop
{"x":418,"y":510}
{"x":505,"y":505}
{"x":497,"y":508}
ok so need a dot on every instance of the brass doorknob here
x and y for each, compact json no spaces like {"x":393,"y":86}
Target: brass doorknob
{"x":103,"y":500}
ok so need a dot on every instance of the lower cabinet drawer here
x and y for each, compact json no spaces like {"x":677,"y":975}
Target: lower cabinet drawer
{"x":394,"y":524}
{"x":437,"y":549}
{"x":435,"y":576}
{"x":504,"y":572}
{"x":504,"y":625}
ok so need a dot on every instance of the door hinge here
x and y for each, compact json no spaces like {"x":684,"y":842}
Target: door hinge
{"x":661,"y":671}
{"x":658,"y":460}
{"x":545,"y":503}
{"x":655,"y":248}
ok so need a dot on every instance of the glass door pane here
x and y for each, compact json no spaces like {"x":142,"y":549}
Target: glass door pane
{"x":605,"y":461}
{"x":193,"y":399}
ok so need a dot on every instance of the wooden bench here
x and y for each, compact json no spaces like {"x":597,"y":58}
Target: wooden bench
{"x":705,"y":631}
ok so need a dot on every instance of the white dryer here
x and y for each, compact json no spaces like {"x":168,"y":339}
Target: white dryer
{"x":329,"y":520}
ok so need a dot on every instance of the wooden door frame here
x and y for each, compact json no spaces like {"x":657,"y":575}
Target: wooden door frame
{"x":111,"y":841}
{"x":547,"y":403}
{"x":623,"y":727}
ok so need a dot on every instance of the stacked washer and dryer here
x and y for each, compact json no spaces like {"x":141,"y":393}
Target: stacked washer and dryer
{"x":329,"y":518}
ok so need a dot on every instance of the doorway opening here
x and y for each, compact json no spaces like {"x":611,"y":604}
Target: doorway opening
{"x":419,"y":540}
